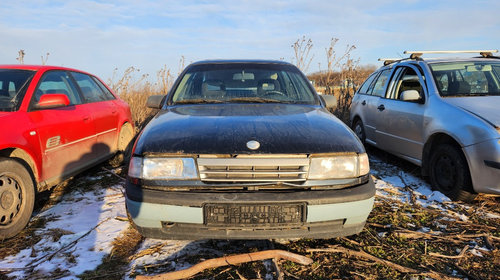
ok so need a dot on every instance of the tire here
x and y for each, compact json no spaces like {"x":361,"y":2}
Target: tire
{"x":449,"y":173}
{"x":17,"y":197}
{"x":359,"y":130}
{"x":123,"y":145}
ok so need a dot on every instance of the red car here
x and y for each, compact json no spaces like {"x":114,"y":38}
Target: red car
{"x":54,"y":123}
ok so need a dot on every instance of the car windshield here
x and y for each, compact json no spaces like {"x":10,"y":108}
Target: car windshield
{"x":243,"y":83}
{"x":467,"y":78}
{"x":13,"y":84}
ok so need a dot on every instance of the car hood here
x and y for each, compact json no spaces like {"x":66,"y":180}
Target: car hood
{"x":226,"y":129}
{"x":485,"y":107}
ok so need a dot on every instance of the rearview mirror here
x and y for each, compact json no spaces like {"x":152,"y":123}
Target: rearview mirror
{"x":243,"y":76}
{"x":330,"y":101}
{"x":52,"y":100}
{"x":411,"y":95}
{"x":155,"y":101}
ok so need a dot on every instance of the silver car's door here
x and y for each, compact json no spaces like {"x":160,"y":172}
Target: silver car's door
{"x":399,"y":119}
{"x":370,"y":102}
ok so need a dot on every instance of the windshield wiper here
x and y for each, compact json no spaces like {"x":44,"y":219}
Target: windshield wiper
{"x":198,"y":101}
{"x":257,"y":100}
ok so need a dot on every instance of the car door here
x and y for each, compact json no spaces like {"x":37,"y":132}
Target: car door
{"x":376,"y":91}
{"x":66,"y":133}
{"x":400,"y":122}
{"x":104,"y":113}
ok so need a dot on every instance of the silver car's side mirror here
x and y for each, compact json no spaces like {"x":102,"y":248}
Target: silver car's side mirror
{"x":155,"y":101}
{"x":330,"y":101}
{"x":411,"y":95}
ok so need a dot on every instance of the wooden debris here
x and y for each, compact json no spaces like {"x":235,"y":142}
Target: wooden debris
{"x":361,"y":254}
{"x":461,"y":255}
{"x":231,"y":260}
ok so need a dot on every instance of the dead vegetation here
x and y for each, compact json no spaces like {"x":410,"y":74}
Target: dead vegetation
{"x":402,"y":239}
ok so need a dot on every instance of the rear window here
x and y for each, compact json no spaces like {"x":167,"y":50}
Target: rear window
{"x":13,"y":85}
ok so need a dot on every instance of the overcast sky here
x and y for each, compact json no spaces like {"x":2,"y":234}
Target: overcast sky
{"x":99,"y":36}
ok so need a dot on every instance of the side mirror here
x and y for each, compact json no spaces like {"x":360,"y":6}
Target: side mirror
{"x":411,"y":95}
{"x":52,"y":100}
{"x":329,"y":100}
{"x":155,"y":101}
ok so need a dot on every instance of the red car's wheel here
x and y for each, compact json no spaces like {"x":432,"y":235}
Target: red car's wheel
{"x":17,"y":197}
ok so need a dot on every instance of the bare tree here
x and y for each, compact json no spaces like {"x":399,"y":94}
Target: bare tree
{"x":302,"y":50}
{"x":44,"y":59}
{"x":20,"y":56}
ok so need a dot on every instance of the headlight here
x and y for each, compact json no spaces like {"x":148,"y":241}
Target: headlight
{"x":162,"y":168}
{"x":339,"y":167}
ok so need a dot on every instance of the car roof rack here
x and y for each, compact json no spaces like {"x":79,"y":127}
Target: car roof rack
{"x":418,"y":54}
{"x":388,"y":61}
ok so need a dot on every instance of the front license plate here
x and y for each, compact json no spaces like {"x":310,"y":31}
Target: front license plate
{"x":253,"y":214}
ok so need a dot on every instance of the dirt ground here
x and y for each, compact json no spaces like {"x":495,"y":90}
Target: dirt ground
{"x":412,"y":233}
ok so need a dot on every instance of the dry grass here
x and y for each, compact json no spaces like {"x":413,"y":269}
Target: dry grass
{"x":135,"y":89}
{"x":114,"y":266}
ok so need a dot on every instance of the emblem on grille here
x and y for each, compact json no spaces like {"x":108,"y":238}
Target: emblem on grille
{"x":253,"y":145}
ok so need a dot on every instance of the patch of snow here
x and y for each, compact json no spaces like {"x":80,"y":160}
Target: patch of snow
{"x":81,"y":247}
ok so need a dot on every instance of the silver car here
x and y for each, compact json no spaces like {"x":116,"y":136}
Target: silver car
{"x":440,"y":114}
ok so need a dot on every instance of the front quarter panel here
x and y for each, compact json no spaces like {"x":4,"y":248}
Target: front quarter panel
{"x":464,"y":127}
{"x":21,"y":135}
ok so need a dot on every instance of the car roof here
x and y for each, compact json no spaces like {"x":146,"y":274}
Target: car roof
{"x":241,"y":61}
{"x":37,"y":67}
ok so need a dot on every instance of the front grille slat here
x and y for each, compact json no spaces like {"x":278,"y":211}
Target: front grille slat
{"x":257,"y":169}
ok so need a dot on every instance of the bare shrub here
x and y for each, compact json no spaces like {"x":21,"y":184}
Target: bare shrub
{"x":136,"y":91}
{"x":342,"y":77}
{"x":20,"y":56}
{"x":302,"y":48}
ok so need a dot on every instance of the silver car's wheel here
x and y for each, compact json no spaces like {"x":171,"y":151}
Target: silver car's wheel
{"x":17,"y":197}
{"x":449,"y":173}
{"x":359,"y":129}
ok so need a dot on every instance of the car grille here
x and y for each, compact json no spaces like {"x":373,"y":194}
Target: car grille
{"x":249,"y":168}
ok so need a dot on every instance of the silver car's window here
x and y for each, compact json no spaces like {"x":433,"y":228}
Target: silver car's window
{"x":467,"y":78}
{"x":408,"y":80}
{"x":380,"y":84}
{"x":366,"y":85}
{"x":243,"y":83}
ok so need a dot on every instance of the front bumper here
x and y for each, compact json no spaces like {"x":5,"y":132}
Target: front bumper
{"x":180,"y":215}
{"x":484,"y":164}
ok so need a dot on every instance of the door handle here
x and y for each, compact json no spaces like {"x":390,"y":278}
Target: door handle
{"x":86,"y":118}
{"x":363,"y":103}
{"x":381,"y":107}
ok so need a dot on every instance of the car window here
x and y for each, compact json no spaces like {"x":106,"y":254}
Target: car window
{"x":243,"y":83}
{"x":57,"y":82}
{"x":366,"y":85}
{"x":467,"y":78}
{"x":13,"y":85}
{"x":90,"y":90}
{"x":407,"y":80}
{"x":380,"y":85}
{"x":107,"y":93}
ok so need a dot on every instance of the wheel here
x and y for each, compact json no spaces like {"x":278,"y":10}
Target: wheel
{"x":17,"y":197}
{"x":449,"y":173}
{"x":123,"y":147}
{"x":359,"y":129}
